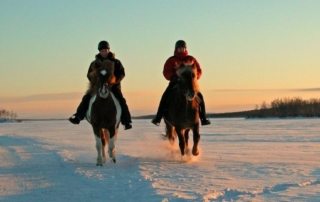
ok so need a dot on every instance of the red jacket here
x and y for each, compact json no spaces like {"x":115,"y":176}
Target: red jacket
{"x":174,"y":62}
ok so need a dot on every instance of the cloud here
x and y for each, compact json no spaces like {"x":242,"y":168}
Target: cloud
{"x":309,"y":89}
{"x":42,"y":97}
{"x":267,"y":90}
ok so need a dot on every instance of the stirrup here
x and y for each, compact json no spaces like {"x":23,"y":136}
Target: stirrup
{"x":74,"y":119}
{"x":205,"y":122}
{"x":127,"y":126}
{"x":156,"y":121}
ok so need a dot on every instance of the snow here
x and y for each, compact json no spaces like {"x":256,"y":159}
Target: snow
{"x":240,"y":160}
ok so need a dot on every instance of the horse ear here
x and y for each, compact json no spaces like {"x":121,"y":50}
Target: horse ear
{"x":97,"y":64}
{"x":189,"y":63}
{"x":110,"y":65}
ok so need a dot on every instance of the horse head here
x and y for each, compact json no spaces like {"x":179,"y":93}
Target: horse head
{"x":187,"y":80}
{"x":182,"y":113}
{"x":105,"y":78}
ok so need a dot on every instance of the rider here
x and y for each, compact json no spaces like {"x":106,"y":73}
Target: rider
{"x":104,"y":54}
{"x":179,"y":58}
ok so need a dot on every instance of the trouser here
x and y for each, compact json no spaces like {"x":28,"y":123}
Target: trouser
{"x":116,"y":90}
{"x":83,"y":106}
{"x":202,"y":107}
{"x":164,"y":103}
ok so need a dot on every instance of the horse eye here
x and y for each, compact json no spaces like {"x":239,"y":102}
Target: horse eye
{"x":103,"y":72}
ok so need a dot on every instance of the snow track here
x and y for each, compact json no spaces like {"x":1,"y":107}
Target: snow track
{"x":240,"y":160}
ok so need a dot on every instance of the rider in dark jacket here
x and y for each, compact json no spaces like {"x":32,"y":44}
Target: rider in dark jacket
{"x":104,"y":54}
{"x":179,"y":58}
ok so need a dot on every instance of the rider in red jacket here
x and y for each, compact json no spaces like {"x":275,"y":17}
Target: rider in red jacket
{"x":173,"y":63}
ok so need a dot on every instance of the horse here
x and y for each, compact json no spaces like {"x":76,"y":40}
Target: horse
{"x":104,"y":112}
{"x":182,"y":114}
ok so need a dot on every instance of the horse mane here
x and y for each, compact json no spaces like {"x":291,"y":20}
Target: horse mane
{"x":191,"y":68}
{"x":106,"y":65}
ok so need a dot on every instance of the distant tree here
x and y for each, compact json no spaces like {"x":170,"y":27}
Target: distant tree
{"x":289,"y":107}
{"x":8,"y":115}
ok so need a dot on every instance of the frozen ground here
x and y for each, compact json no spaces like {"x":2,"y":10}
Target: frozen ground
{"x":240,"y":160}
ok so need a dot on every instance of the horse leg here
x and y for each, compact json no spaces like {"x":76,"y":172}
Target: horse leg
{"x":170,"y":132}
{"x":196,"y":138}
{"x":104,"y":139}
{"x":182,"y":143}
{"x":186,"y":136}
{"x":98,"y":146}
{"x":112,"y":139}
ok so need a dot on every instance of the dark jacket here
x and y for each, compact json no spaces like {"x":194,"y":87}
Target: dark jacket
{"x":118,"y":70}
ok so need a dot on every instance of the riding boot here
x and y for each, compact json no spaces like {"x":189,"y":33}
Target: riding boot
{"x":163,"y":105}
{"x":81,"y":110}
{"x":125,"y":115}
{"x":202,"y":111}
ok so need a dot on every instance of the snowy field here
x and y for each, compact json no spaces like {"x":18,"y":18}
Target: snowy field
{"x":240,"y":160}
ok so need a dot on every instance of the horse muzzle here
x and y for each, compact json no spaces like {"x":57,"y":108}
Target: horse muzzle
{"x":104,"y":91}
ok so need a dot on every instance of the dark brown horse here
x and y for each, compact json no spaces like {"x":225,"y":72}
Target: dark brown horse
{"x":104,"y":112}
{"x":183,"y":110}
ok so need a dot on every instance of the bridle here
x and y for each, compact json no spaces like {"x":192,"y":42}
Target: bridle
{"x":104,"y":90}
{"x":189,"y":93}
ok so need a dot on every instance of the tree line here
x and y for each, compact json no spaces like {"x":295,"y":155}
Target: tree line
{"x":287,"y":107}
{"x":7,"y":115}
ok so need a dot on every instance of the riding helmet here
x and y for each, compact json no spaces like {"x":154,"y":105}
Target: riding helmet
{"x":103,"y":45}
{"x":181,"y":44}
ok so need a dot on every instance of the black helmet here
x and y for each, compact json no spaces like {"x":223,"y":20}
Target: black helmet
{"x":103,"y":45}
{"x":181,"y":44}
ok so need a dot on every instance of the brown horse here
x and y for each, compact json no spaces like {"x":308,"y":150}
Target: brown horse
{"x":104,"y":112}
{"x":183,"y":110}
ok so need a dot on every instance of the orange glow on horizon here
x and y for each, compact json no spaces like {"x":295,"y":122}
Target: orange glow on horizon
{"x":144,"y":103}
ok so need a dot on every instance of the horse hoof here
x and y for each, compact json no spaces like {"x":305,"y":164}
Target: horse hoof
{"x":195,"y":152}
{"x":99,"y":164}
{"x":114,"y":160}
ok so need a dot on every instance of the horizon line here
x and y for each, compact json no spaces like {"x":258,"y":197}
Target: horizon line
{"x":63,"y":95}
{"x":267,"y":89}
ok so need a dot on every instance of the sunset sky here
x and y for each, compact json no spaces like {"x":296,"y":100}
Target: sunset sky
{"x":250,"y":51}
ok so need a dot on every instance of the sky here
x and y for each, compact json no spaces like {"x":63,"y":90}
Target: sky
{"x":249,"y":51}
